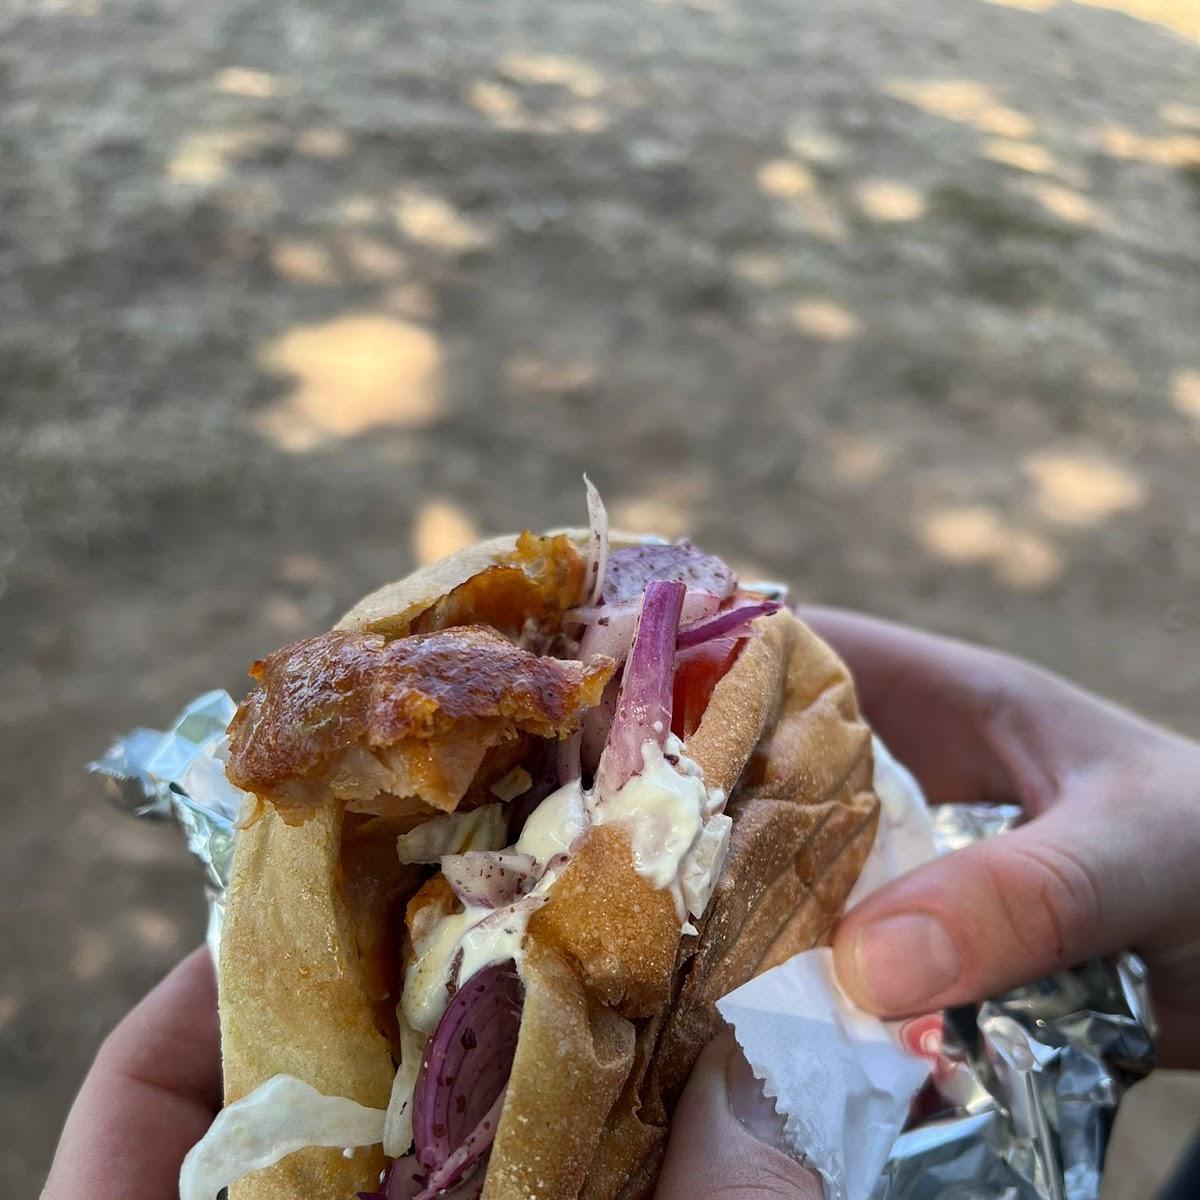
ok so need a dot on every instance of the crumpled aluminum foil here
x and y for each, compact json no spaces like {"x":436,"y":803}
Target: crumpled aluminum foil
{"x":180,"y":774}
{"x":1024,"y":1092}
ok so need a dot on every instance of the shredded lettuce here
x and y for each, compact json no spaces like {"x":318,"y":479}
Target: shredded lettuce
{"x":484,"y":828}
{"x":397,"y":1127}
{"x":279,"y":1117}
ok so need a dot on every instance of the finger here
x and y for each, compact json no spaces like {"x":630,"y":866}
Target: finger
{"x":712,"y":1152}
{"x":973,"y":725}
{"x":1003,"y":912}
{"x":150,"y":1095}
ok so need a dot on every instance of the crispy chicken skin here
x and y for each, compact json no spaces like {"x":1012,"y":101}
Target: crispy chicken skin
{"x":352,"y":715}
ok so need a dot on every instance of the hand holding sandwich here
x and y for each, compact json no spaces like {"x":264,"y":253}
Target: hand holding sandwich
{"x":1106,"y":862}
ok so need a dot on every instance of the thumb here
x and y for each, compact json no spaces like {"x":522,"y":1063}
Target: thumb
{"x":712,"y":1151}
{"x":995,"y":915}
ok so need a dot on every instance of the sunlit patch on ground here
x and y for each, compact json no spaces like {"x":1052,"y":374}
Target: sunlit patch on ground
{"x":1171,"y":150}
{"x":795,"y":185}
{"x":254,"y":85}
{"x":9,"y":1007}
{"x":284,"y":615}
{"x":352,"y":374}
{"x":1027,"y":5}
{"x":92,"y":955}
{"x":585,"y":118}
{"x":323,"y":141}
{"x":1187,"y":116}
{"x":541,"y":376}
{"x":759,"y":267}
{"x":963,"y":100}
{"x":1185,"y":392}
{"x":85,"y":8}
{"x":506,"y":108}
{"x":889,"y":200}
{"x":431,"y":221}
{"x":205,"y":157}
{"x":976,"y":535}
{"x":301,"y":261}
{"x":1079,"y":489}
{"x":669,"y":509}
{"x":785,"y":179}
{"x":1025,"y":156}
{"x":303,"y":569}
{"x":547,"y":94}
{"x":858,"y":459}
{"x":496,"y":101}
{"x":1182,"y":16}
{"x":1066,"y":203}
{"x":825,"y":320}
{"x":371,"y":259}
{"x":359,"y":210}
{"x":441,"y":528}
{"x":153,"y":930}
{"x":816,"y":146}
{"x":580,"y":79}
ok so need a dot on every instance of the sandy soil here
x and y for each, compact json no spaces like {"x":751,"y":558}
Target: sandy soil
{"x":898,"y":302}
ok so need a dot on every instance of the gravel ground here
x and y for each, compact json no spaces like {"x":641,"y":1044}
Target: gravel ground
{"x":898,"y":302}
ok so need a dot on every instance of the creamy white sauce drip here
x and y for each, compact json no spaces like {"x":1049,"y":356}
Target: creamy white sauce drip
{"x":679,"y":834}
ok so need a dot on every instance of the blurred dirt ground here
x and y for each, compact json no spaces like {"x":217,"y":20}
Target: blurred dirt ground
{"x":896,"y":301}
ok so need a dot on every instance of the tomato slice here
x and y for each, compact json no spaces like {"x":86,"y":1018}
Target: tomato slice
{"x":697,"y":673}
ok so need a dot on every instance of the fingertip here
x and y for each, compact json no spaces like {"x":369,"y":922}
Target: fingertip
{"x":845,"y":962}
{"x":898,"y":963}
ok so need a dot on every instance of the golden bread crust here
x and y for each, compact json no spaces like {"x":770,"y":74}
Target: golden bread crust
{"x":616,"y":1009}
{"x":292,"y":998}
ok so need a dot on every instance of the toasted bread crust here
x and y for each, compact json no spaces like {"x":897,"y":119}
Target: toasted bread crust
{"x":617,"y":1010}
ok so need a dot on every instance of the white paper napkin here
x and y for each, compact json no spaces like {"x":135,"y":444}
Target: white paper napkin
{"x":841,"y":1078}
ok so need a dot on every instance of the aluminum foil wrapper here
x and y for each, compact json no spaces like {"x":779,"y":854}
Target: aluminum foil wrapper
{"x":1025,"y":1087}
{"x":180,"y":775}
{"x":1027,"y":1084}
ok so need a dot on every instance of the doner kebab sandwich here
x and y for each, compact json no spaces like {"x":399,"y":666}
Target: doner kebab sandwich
{"x":512,"y":827}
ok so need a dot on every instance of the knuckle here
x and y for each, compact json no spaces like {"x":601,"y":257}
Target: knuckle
{"x":766,"y":1182}
{"x":1049,"y":898}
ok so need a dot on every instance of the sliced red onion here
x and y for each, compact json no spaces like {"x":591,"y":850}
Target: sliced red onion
{"x":466,"y":1066}
{"x":597,"y":560}
{"x":474,"y":1146}
{"x":489,"y":878}
{"x":644,"y":705}
{"x":611,"y":626}
{"x":731,"y":622}
{"x":631,"y":568}
{"x":406,"y":1179}
{"x":609,"y":631}
{"x":508,"y":912}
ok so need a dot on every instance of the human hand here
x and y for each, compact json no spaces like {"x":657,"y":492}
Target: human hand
{"x":1106,"y":863}
{"x":156,"y":1085}
{"x":151,"y":1094}
{"x":722,"y":1137}
{"x":1108,"y":860}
